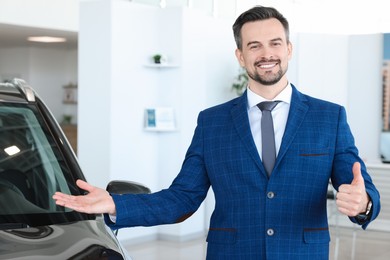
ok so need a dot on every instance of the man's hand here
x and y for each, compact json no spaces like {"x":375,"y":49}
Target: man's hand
{"x":96,"y":201}
{"x":352,"y":199}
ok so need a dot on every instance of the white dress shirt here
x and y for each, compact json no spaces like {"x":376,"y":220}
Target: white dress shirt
{"x":279,"y":116}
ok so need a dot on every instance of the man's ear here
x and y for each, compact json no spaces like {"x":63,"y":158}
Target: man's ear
{"x":240,"y":57}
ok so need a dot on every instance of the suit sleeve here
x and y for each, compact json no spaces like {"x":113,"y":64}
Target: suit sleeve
{"x":346,"y":154}
{"x":172,"y":205}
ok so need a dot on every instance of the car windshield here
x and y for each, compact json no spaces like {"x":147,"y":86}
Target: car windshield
{"x":32,"y":168}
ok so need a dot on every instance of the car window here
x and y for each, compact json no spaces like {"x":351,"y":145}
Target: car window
{"x":32,"y":166}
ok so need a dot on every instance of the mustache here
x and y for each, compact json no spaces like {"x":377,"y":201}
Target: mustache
{"x":257,"y":63}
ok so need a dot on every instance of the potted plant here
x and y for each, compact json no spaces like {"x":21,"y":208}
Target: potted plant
{"x":241,"y":82}
{"x":67,"y":119}
{"x":157,"y":58}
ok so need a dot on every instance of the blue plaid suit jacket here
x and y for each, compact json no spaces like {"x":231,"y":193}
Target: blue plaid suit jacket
{"x":283,"y":217}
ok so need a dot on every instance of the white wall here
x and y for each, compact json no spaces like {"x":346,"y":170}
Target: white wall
{"x":49,"y":71}
{"x":323,"y":66}
{"x":14,"y":62}
{"x":46,"y":70}
{"x":94,"y":67}
{"x":365,"y":54}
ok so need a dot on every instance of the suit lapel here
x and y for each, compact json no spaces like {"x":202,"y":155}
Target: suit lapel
{"x":297,"y":113}
{"x":241,"y":123}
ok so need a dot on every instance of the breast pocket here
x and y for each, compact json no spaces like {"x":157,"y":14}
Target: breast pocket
{"x":314,"y":152}
{"x":307,"y":162}
{"x":315,"y":155}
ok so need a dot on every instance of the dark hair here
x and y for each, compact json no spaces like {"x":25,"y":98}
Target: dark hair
{"x":258,"y":13}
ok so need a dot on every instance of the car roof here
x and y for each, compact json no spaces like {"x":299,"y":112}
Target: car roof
{"x":16,"y":91}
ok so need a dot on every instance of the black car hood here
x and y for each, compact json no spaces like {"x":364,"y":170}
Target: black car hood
{"x":88,"y":239}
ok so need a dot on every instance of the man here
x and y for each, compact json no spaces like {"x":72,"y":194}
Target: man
{"x":272,"y":212}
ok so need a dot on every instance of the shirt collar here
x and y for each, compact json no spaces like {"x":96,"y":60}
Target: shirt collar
{"x":284,"y":96}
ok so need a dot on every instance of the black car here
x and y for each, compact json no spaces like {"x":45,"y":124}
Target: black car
{"x":35,"y":161}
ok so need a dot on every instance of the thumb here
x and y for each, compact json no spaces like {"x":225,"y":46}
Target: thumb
{"x":357,"y":174}
{"x":84,"y":185}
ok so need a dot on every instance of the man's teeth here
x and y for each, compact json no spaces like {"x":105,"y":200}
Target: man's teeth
{"x":267,"y":66}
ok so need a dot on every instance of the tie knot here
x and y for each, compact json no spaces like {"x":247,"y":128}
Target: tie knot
{"x":267,"y":105}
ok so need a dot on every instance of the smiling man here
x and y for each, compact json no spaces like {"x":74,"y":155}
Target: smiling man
{"x":268,"y":156}
{"x":265,"y":50}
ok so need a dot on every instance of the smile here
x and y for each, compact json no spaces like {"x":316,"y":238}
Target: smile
{"x":267,"y":66}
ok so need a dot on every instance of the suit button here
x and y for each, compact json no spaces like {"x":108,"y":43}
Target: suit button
{"x":270,"y":195}
{"x":270,"y":232}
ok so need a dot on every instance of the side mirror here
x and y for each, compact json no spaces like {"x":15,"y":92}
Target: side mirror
{"x":126,"y":187}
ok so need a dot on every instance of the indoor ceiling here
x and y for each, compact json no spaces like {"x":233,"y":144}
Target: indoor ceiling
{"x":16,"y":36}
{"x":375,"y":19}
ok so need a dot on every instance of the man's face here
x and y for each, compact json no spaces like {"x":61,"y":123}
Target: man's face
{"x":265,"y":51}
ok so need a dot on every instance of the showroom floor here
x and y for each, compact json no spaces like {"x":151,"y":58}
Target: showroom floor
{"x":373,"y":245}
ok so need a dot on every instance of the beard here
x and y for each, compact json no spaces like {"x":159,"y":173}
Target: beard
{"x":269,"y":78}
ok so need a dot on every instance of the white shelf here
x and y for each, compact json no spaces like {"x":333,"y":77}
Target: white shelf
{"x":161,"y":66}
{"x":150,"y":129}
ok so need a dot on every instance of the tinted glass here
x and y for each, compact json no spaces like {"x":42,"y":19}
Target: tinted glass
{"x":32,"y":168}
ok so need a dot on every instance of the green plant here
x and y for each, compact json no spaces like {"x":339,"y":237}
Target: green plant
{"x":241,"y":82}
{"x":67,"y":119}
{"x":157,"y":58}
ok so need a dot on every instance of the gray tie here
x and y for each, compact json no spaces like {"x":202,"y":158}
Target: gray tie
{"x":267,"y":135}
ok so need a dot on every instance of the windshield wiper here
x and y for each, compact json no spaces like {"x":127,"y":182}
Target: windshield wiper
{"x":4,"y":226}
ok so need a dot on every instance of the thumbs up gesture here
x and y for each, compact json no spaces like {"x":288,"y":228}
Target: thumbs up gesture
{"x":352,"y":199}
